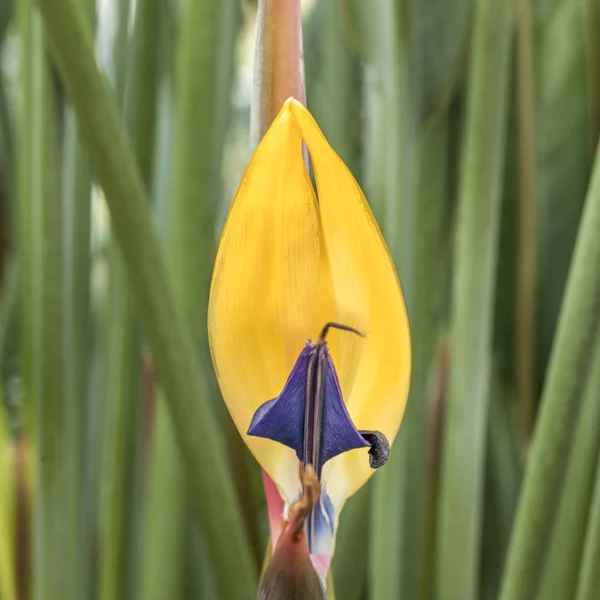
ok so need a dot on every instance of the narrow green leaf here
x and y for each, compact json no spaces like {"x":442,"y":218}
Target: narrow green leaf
{"x":562,"y":397}
{"x":349,"y":566}
{"x":407,"y":183}
{"x":121,"y":429}
{"x":6,"y":149}
{"x":8,"y":589}
{"x":123,"y":364}
{"x":505,"y":327}
{"x":166,"y":527}
{"x":589,"y":575}
{"x":206,"y":44}
{"x":435,"y":421}
{"x":333,"y":81}
{"x":76,"y":205}
{"x":26,"y":241}
{"x":564,"y":153}
{"x":202,"y":581}
{"x":527,"y":223}
{"x":566,"y":547}
{"x":503,"y":475}
{"x":8,"y":309}
{"x":395,"y":513}
{"x":143,"y":69}
{"x":55,"y":523}
{"x":6,"y":12}
{"x":211,"y":493}
{"x":120,"y":52}
{"x":592,"y":49}
{"x":438,"y":47}
{"x":412,"y":210}
{"x":477,"y":237}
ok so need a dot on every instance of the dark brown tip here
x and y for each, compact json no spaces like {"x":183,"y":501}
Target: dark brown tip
{"x":333,"y":325}
{"x":379,"y":451}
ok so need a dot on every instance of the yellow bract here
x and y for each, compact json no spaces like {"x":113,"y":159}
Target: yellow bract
{"x":287,"y":263}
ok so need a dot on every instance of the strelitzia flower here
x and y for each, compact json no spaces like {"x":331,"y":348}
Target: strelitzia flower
{"x":307,"y":324}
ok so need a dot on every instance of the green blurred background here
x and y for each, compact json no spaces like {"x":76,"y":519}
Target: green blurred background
{"x":471,"y":126}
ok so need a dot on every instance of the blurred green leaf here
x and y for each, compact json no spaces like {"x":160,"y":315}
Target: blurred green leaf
{"x":506,"y":284}
{"x":430,"y":276}
{"x":349,"y":566}
{"x":122,"y":411}
{"x":7,"y":523}
{"x":123,"y":363}
{"x":206,"y":46}
{"x":76,"y":189}
{"x":477,"y":236}
{"x":412,"y":210}
{"x":333,"y":81}
{"x":395,"y":514}
{"x":589,"y":574}
{"x":145,"y":485}
{"x":45,"y":377}
{"x":561,"y":400}
{"x":503,"y":473}
{"x":213,"y":502}
{"x":439,"y":34}
{"x":568,"y":533}
{"x":563,"y":152}
{"x":6,"y":13}
{"x":166,"y":526}
{"x":6,"y":151}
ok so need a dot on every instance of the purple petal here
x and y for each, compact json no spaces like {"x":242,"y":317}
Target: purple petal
{"x":282,"y":419}
{"x":339,"y":433}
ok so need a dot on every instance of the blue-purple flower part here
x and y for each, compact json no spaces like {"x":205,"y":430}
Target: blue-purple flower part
{"x":283,"y":419}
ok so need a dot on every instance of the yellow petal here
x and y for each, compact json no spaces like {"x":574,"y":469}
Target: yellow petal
{"x":374,"y":371}
{"x":271,"y":289}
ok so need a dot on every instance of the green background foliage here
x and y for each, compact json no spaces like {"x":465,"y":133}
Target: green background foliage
{"x":472,"y":126}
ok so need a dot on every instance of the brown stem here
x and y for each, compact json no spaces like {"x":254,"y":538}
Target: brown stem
{"x":527,"y":256}
{"x":311,"y":492}
{"x":278,"y":62}
{"x":290,"y":573}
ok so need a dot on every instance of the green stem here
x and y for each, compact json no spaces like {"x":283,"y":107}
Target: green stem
{"x":211,"y":492}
